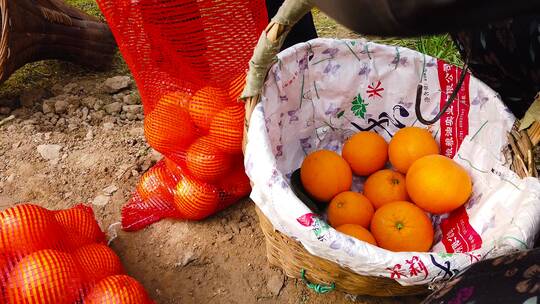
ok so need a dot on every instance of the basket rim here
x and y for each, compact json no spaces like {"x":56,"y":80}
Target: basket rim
{"x":314,"y":43}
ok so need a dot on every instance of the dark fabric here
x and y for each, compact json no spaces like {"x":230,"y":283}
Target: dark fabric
{"x":506,"y":56}
{"x":421,"y":17}
{"x":507,"y":280}
{"x":303,"y":31}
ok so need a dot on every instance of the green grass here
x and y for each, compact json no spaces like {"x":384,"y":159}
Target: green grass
{"x":47,"y":73}
{"x":88,"y":6}
{"x":437,"y":46}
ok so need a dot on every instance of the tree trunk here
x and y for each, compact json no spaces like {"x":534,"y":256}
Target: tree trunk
{"x":33,"y":30}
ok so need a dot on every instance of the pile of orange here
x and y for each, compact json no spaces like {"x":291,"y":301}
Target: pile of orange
{"x":392,"y":211}
{"x":200,"y":134}
{"x":60,"y":257}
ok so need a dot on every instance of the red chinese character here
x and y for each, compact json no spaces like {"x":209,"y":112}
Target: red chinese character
{"x":449,"y":121}
{"x":449,"y":151}
{"x":448,"y":132}
{"x":449,"y":77}
{"x":396,"y":272}
{"x":447,"y":67}
{"x":416,"y":267}
{"x":375,"y":90}
{"x":449,"y":141}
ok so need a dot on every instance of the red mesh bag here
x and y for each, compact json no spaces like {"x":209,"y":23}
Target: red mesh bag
{"x":59,"y":257}
{"x":189,"y":60}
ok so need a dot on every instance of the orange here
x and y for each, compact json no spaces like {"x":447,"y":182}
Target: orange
{"x":410,"y":144}
{"x":194,"y":199}
{"x":206,"y":162}
{"x":117,"y":289}
{"x":176,"y":98}
{"x":402,"y":226}
{"x":385,"y":186}
{"x":237,"y":86}
{"x":46,"y":276}
{"x":366,"y":152}
{"x":325,"y":174}
{"x":157,"y":182}
{"x":205,"y":104}
{"x":227,"y":129}
{"x":438,"y":184}
{"x":79,"y":226}
{"x":97,"y":262}
{"x":358,"y":232}
{"x":174,"y":168}
{"x":350,"y":208}
{"x":168,"y":128}
{"x":234,"y":187}
{"x":27,"y":228}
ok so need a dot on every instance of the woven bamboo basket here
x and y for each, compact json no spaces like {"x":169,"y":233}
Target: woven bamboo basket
{"x":33,"y":30}
{"x":291,"y":256}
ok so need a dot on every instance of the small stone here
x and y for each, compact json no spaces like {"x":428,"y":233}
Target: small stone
{"x":61,"y":122}
{"x":92,"y":103}
{"x":225,"y":238}
{"x":5,"y":111}
{"x":98,"y":116}
{"x":110,"y":190}
{"x":137,"y":131}
{"x":60,"y":106}
{"x":71,"y":88}
{"x":72,"y":127}
{"x":48,"y":106}
{"x":117,"y":84}
{"x":16,"y":145}
{"x":113,"y":108}
{"x":134,"y":109}
{"x":108,"y":126}
{"x":49,"y":152}
{"x":132,"y":99}
{"x":140,"y":116}
{"x":155,"y":155}
{"x":89,"y":135}
{"x":186,"y":259}
{"x":57,"y":89}
{"x":101,"y":200}
{"x":275,"y":283}
{"x":31,"y":97}
{"x":10,"y":178}
{"x":84,"y":113}
{"x":131,"y":116}
{"x":28,"y":122}
{"x":118,"y":97}
{"x":110,"y":118}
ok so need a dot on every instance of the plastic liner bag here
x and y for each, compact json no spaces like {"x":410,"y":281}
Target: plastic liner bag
{"x":322,"y":92}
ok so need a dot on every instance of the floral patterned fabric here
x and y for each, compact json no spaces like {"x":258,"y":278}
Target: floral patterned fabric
{"x":509,"y":279}
{"x":321,"y":92}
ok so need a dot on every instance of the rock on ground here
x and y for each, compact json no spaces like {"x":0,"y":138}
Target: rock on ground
{"x":117,"y":84}
{"x":49,"y":152}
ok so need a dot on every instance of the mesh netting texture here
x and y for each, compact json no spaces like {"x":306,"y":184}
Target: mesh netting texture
{"x":60,"y":257}
{"x":189,"y":60}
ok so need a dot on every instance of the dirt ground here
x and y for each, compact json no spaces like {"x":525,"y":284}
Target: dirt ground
{"x":89,"y":143}
{"x":73,"y":136}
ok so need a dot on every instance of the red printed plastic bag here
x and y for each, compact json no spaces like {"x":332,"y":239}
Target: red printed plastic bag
{"x":60,"y":257}
{"x":189,"y":60}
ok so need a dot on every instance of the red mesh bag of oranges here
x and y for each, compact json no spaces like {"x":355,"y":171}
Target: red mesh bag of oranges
{"x":189,"y":60}
{"x":60,"y":257}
